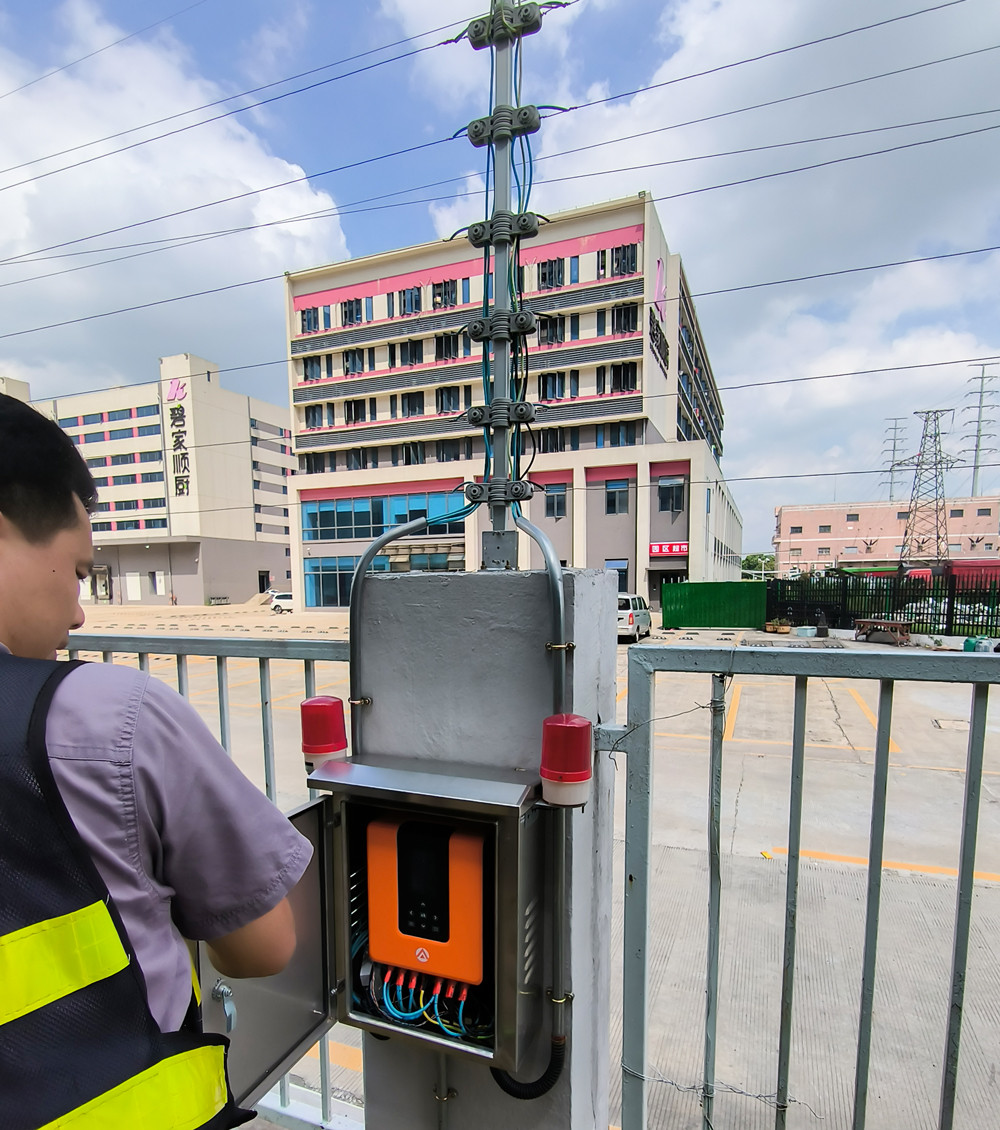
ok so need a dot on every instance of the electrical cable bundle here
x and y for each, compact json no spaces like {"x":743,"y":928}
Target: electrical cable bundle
{"x":418,"y":1000}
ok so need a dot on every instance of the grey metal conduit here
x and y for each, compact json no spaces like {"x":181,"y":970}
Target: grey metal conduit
{"x":562,"y":834}
{"x":355,"y":615}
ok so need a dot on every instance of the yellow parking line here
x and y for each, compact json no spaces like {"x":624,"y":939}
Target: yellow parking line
{"x":343,"y":1055}
{"x":866,"y":710}
{"x":734,"y":706}
{"x":889,"y":865}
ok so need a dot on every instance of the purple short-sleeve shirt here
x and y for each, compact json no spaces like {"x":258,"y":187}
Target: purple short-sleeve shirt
{"x":188,"y":847}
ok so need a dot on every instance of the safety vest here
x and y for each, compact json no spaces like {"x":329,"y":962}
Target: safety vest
{"x":79,"y":1048}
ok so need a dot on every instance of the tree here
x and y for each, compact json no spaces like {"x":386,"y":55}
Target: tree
{"x":756,"y":563}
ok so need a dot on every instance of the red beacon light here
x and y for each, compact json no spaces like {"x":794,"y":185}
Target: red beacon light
{"x":567,"y":760}
{"x":324,"y":736}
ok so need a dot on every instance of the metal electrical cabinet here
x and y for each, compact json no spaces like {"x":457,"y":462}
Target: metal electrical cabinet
{"x":425,"y":876}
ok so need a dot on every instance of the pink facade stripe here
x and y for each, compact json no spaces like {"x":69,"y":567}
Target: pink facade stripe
{"x":599,"y":474}
{"x":546,"y":478}
{"x":468,"y":268}
{"x":677,"y":467}
{"x":370,"y":490}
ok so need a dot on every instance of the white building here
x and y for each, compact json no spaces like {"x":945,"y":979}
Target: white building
{"x":192,"y":481}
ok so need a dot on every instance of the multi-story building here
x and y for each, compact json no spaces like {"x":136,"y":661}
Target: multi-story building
{"x":628,"y":437}
{"x":192,"y":481}
{"x":20,"y":390}
{"x":869,"y":535}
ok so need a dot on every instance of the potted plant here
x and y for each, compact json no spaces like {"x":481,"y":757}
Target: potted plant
{"x":779,"y":625}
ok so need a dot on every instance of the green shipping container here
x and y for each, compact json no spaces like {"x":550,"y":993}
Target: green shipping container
{"x":714,"y":604}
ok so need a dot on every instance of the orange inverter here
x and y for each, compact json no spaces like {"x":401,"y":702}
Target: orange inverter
{"x":425,"y":898}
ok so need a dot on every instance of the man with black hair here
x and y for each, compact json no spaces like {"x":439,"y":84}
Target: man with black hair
{"x":124,"y":829}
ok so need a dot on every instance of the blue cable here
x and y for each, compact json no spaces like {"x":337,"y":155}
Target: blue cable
{"x":461,"y":1007}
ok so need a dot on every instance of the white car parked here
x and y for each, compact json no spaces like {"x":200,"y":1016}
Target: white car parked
{"x":282,"y":602}
{"x":634,"y":619}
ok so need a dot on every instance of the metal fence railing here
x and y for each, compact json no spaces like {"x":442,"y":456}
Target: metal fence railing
{"x":636,"y":739}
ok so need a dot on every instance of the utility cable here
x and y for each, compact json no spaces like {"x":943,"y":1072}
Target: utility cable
{"x":218,"y":117}
{"x":354,"y":207}
{"x":317,"y":175}
{"x":221,"y":101}
{"x":99,"y":50}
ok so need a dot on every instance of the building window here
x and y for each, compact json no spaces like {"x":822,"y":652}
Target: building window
{"x":602,"y":375}
{"x":312,"y":369}
{"x":331,"y":415}
{"x":624,"y":376}
{"x":354,"y":361}
{"x":622,"y":434}
{"x":126,"y":525}
{"x":100,"y":480}
{"x":94,"y":437}
{"x":411,"y":404}
{"x":350,"y":312}
{"x":624,"y":259}
{"x":369,"y":309}
{"x":602,"y":323}
{"x":551,"y":386}
{"x":551,"y":331}
{"x":574,"y":327}
{"x":602,"y":264}
{"x":410,"y":301}
{"x":390,"y":305}
{"x":984,"y":511}
{"x":446,"y":399}
{"x":69,"y":421}
{"x":824,"y":529}
{"x":795,"y":529}
{"x":314,"y":415}
{"x":314,"y":462}
{"x":852,"y":517}
{"x":327,"y":320}
{"x":574,"y":269}
{"x":411,"y":352}
{"x":902,"y":515}
{"x":150,"y":456}
{"x":100,"y":527}
{"x":621,"y":567}
{"x":616,"y":496}
{"x":795,"y":553}
{"x":357,"y":459}
{"x":954,"y":547}
{"x":310,"y":319}
{"x":413,"y":454}
{"x":119,"y":414}
{"x":956,"y":513}
{"x":551,"y":440}
{"x":122,"y":480}
{"x":127,"y":504}
{"x":823,"y":551}
{"x":850,"y":549}
{"x":444,"y":294}
{"x":122,"y":460}
{"x":625,"y":319}
{"x":448,"y":450}
{"x":555,"y":500}
{"x":551,"y":273}
{"x":153,"y":503}
{"x":93,"y":418}
{"x":446,"y":347}
{"x":148,"y":410}
{"x":100,"y":461}
{"x":152,"y":476}
{"x":393,"y":409}
{"x":670,"y":495}
{"x":102,"y":507}
{"x":328,"y":579}
{"x":355,"y":411}
{"x":148,"y":430}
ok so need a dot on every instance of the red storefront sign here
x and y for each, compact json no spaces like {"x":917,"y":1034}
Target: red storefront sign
{"x":668,"y":549}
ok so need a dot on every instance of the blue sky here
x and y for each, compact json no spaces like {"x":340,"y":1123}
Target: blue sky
{"x":929,"y":199}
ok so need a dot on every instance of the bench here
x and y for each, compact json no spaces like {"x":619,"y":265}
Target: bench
{"x":899,"y":630}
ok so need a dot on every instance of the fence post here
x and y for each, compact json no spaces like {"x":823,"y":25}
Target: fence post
{"x":949,"y":607}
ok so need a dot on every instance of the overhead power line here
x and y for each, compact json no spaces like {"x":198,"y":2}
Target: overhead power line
{"x":227,"y":98}
{"x":355,"y":207}
{"x":440,"y":141}
{"x":99,"y":50}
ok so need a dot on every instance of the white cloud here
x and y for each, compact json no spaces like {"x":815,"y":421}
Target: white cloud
{"x":140,"y":81}
{"x":270,"y":48}
{"x":448,"y":218}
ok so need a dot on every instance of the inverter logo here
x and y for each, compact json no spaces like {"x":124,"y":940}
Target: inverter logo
{"x":422,"y":955}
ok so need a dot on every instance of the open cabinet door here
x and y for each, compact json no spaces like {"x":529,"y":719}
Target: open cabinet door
{"x":273,"y":1021}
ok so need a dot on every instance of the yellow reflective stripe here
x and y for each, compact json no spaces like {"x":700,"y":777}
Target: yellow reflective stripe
{"x":51,"y":959}
{"x":179,"y":1093}
{"x":195,"y":984}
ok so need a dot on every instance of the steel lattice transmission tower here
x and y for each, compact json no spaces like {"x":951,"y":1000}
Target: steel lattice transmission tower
{"x":926,"y":538}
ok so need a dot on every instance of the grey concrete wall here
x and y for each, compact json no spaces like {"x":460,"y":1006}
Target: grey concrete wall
{"x":457,"y":670}
{"x":229,"y":568}
{"x":559,"y":531}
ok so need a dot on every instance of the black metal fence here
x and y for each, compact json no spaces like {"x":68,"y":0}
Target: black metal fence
{"x":946,"y":606}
